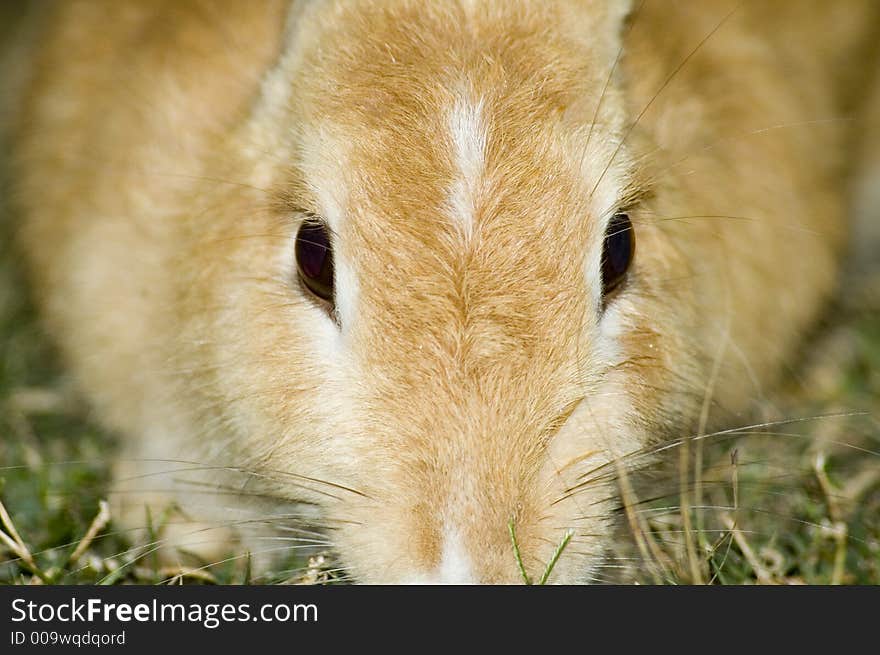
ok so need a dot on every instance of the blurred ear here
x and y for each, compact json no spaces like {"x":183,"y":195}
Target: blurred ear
{"x":600,"y":22}
{"x":615,"y":11}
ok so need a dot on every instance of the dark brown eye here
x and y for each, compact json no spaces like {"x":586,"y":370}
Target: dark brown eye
{"x":617,"y":255}
{"x":314,"y":259}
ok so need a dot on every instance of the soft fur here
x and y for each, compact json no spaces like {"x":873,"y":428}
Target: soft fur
{"x":468,"y":157}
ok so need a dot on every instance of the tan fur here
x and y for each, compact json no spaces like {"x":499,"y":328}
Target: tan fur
{"x":163,"y":167}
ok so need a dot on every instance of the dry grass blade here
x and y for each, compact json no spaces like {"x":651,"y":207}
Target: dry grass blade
{"x":98,"y":523}
{"x":764,"y":576}
{"x":650,"y":553}
{"x":838,"y":529}
{"x":13,"y":541}
{"x":176,"y":575}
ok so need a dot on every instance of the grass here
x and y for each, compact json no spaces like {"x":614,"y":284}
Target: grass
{"x":795,"y":500}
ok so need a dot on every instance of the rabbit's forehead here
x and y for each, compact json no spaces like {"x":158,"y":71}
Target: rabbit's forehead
{"x":469,"y":226}
{"x":435,"y":110}
{"x":460,"y":184}
{"x":469,"y":186}
{"x":466,"y":192}
{"x":434,"y":160}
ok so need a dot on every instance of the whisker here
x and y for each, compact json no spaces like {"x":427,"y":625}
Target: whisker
{"x":634,"y":15}
{"x":198,"y":467}
{"x":663,"y":86}
{"x":234,"y":558}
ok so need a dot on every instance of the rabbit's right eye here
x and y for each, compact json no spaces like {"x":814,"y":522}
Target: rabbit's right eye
{"x":617,"y":253}
{"x":314,"y":259}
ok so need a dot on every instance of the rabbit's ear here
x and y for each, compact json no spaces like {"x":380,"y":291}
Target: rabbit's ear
{"x":613,"y":12}
{"x":601,"y":22}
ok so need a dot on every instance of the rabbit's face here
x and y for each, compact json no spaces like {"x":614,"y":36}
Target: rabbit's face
{"x":460,"y":333}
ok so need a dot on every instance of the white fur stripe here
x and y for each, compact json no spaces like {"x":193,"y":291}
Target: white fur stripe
{"x":455,"y":565}
{"x":468,"y":134}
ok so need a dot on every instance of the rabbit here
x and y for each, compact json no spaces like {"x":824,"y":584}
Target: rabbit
{"x":429,"y":278}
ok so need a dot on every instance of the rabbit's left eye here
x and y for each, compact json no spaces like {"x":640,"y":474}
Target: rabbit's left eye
{"x":314,"y":259}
